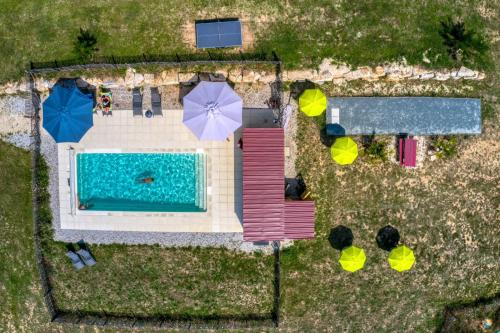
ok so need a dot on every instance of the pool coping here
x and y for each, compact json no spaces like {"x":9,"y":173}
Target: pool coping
{"x":73,"y":172}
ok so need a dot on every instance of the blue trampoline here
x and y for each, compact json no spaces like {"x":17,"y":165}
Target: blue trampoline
{"x":67,"y":113}
{"x":218,"y":34}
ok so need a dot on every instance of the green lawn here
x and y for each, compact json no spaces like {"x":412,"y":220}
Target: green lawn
{"x":21,"y":305}
{"x":302,"y":32}
{"x":447,"y":212}
{"x":154,"y":281}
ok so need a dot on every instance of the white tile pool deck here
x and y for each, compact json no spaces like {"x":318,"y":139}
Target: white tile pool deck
{"x":122,"y":131}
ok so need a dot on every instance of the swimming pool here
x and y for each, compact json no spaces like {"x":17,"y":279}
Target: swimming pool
{"x":141,"y":182}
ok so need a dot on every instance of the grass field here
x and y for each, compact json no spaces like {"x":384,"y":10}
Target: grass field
{"x":301,"y":32}
{"x":447,"y":212}
{"x":152,"y":281}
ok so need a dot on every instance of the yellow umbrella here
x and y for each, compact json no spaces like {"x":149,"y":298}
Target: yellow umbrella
{"x":401,"y":258}
{"x":344,"y":151}
{"x":352,"y":258}
{"x":312,"y":102}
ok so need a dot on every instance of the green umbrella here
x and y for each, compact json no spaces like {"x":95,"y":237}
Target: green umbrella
{"x":352,"y":258}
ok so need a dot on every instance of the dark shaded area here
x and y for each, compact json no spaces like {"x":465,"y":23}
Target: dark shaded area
{"x":187,"y":86}
{"x":298,"y":87}
{"x":335,"y":130}
{"x":81,"y":243}
{"x":367,"y":140}
{"x":85,"y":87}
{"x":461,"y":43}
{"x":387,"y":238}
{"x":340,"y":237}
{"x":188,"y":59}
{"x":184,"y":322}
{"x":325,"y":138}
{"x":294,"y":187}
{"x":452,"y":322}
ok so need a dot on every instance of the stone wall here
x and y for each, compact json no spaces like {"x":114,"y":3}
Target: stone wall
{"x":326,"y":72}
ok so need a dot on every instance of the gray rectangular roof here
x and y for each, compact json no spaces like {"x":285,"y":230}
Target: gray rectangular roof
{"x":412,"y":115}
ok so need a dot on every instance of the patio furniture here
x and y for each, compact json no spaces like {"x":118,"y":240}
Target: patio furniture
{"x":156,"y":102}
{"x":313,"y":102}
{"x":75,"y":260}
{"x":352,"y":258}
{"x":212,"y":111}
{"x":67,"y":113}
{"x":408,"y":152}
{"x":86,"y":257}
{"x":104,"y":103}
{"x":344,"y":151}
{"x":137,"y":102}
{"x":387,"y":238}
{"x":401,"y":258}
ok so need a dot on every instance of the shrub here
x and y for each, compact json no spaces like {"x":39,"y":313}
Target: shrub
{"x":376,"y":150}
{"x":85,"y":45}
{"x":462,"y":44}
{"x":444,"y":146}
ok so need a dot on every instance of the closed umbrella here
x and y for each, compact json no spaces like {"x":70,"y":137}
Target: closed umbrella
{"x":312,"y":102}
{"x":212,"y":111}
{"x":352,"y":259}
{"x":67,"y":113}
{"x":344,"y":151}
{"x":401,"y":258}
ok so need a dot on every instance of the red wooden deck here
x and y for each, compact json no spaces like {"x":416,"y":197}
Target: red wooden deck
{"x":266,"y":215}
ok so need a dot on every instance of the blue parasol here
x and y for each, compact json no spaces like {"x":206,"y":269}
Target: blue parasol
{"x":67,"y":113}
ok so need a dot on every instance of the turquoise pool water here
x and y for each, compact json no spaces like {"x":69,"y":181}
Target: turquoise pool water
{"x":112,"y":181}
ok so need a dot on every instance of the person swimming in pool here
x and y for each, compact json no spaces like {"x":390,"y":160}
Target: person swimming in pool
{"x":146,"y":180}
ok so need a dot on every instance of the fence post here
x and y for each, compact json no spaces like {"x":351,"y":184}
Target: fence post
{"x":275,"y":56}
{"x":277,"y":283}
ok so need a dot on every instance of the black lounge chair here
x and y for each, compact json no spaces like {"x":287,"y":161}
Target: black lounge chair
{"x":137,"y":102}
{"x":156,"y":102}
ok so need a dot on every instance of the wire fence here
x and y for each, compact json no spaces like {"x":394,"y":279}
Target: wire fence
{"x":104,"y":319}
{"x":176,"y":59}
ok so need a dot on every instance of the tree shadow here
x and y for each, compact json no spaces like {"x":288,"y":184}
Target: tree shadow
{"x":387,"y":238}
{"x":298,"y":87}
{"x":340,"y":237}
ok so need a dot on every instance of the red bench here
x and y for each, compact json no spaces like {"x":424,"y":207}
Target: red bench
{"x":408,"y":152}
